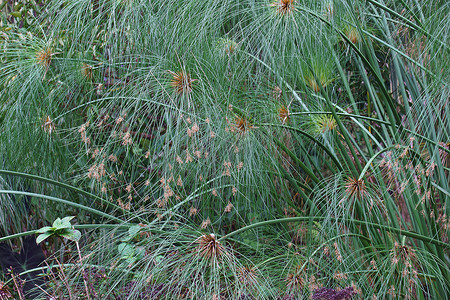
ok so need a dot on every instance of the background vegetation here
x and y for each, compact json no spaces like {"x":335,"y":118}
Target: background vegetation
{"x":285,"y":149}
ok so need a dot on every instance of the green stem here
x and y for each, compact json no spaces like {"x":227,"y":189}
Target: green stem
{"x":59,"y":200}
{"x":84,"y":226}
{"x":369,"y":163}
{"x":61,"y":184}
{"x":332,"y":156}
{"x":407,"y":233}
{"x":297,"y":160}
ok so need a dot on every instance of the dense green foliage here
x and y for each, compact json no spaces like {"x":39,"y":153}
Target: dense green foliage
{"x":227,"y":149}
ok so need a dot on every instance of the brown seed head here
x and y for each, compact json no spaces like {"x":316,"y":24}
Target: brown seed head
{"x":205,"y":223}
{"x":247,"y":276}
{"x":284,"y":7}
{"x":193,"y":211}
{"x":355,"y":188}
{"x":181,"y":82}
{"x":209,"y":247}
{"x":44,"y":57}
{"x":242,"y":125}
{"x":48,"y":125}
{"x":284,"y":114}
{"x":229,"y":207}
{"x":313,"y":84}
{"x":295,"y":280}
{"x":86,"y":70}
{"x":404,"y":254}
{"x":352,"y":34}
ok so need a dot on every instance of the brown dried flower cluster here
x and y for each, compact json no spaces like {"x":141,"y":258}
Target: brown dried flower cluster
{"x":87,"y":71}
{"x":295,"y":280}
{"x":48,"y":125}
{"x":284,"y":115}
{"x":355,"y":188}
{"x":248,"y":276}
{"x":284,"y":7}
{"x":241,"y":126}
{"x":97,"y":171}
{"x":181,"y":82}
{"x":209,"y":247}
{"x":44,"y":57}
{"x":83,"y":134}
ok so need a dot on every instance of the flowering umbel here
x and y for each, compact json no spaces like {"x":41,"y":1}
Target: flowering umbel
{"x":209,"y":247}
{"x":284,"y":7}
{"x":226,"y":46}
{"x":352,"y":34}
{"x":325,"y":123}
{"x":181,"y":82}
{"x":284,"y":114}
{"x":295,"y":280}
{"x":248,"y":276}
{"x":48,"y":125}
{"x":242,"y":126}
{"x":355,"y":188}
{"x":44,"y":57}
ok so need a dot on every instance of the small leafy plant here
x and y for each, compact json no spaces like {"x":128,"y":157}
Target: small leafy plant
{"x":130,"y":252}
{"x":61,"y":228}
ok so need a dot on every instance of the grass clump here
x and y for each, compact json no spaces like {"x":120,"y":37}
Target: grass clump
{"x":227,"y":149}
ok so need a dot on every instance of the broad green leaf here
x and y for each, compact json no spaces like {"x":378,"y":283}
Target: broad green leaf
{"x":45,"y":229}
{"x":71,"y":234}
{"x":125,"y":250}
{"x":134,"y":230}
{"x":139,"y":252}
{"x":16,"y":14}
{"x":67,"y":219}
{"x":57,"y":223}
{"x":43,"y":236}
{"x":64,"y":223}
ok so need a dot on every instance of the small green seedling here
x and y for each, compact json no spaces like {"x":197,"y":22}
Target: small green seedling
{"x":61,"y":228}
{"x":128,"y":250}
